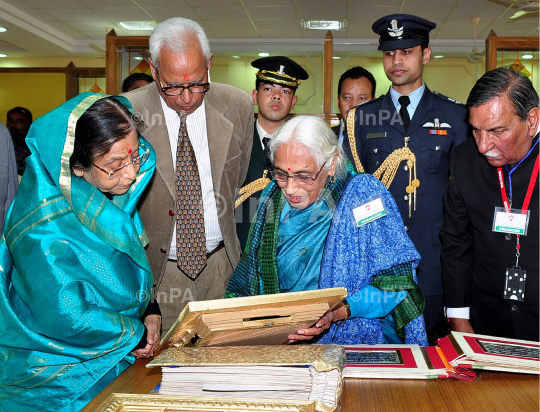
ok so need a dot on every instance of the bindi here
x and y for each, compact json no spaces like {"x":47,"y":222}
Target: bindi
{"x":289,"y":169}
{"x":130,"y":150}
{"x":186,"y":78}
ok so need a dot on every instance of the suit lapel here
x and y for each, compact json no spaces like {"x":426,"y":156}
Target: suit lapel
{"x":421,"y":114}
{"x":219,"y":131}
{"x":156,"y":133}
{"x":389,"y":113}
{"x":257,"y":152}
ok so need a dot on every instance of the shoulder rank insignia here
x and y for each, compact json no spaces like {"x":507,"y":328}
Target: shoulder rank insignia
{"x":443,"y":97}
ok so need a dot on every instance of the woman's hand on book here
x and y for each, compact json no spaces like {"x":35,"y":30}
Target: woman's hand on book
{"x":322,"y":324}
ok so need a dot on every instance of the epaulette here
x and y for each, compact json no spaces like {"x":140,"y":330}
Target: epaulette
{"x":349,"y":121}
{"x":446,"y":98}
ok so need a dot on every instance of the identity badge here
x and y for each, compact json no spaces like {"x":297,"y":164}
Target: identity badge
{"x":369,"y":211}
{"x":511,"y":222}
{"x":514,"y":285}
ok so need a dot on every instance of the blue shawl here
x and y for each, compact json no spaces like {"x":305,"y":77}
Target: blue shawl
{"x":354,"y":255}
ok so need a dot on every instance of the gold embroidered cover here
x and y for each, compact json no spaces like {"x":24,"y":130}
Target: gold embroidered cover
{"x":235,"y":368}
{"x":120,"y":402}
{"x":321,"y":357}
{"x":252,"y":320}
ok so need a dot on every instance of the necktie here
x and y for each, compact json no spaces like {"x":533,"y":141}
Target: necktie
{"x":404,"y":101}
{"x":190,"y":236}
{"x":266,"y":144}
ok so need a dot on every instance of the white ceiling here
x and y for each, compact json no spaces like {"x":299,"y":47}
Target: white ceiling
{"x":59,"y":28}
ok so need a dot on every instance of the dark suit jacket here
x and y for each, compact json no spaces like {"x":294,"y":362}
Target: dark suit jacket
{"x":229,"y":121}
{"x":475,"y":258}
{"x":248,"y":209}
{"x":432,"y":162}
{"x":9,"y":181}
{"x":335,"y":129}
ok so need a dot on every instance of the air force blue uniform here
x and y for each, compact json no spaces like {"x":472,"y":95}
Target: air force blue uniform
{"x":438,"y":124}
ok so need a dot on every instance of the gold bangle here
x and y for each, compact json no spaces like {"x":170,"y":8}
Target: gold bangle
{"x":347,"y":307}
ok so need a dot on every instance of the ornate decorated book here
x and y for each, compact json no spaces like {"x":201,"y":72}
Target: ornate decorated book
{"x":120,"y":402}
{"x":272,"y":373}
{"x":467,"y":350}
{"x":252,"y":320}
{"x":399,"y":362}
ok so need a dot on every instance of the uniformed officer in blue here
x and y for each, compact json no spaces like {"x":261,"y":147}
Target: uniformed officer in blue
{"x":414,"y":130}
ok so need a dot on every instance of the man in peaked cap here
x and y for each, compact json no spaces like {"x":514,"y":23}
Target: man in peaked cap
{"x":275,"y":87}
{"x":417,"y":129}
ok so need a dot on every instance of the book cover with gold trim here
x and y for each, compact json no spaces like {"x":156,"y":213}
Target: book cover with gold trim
{"x":252,"y":320}
{"x":221,"y":370}
{"x":120,"y":402}
{"x":469,"y":350}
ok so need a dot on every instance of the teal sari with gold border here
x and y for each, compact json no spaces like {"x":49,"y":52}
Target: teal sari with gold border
{"x":74,"y":277}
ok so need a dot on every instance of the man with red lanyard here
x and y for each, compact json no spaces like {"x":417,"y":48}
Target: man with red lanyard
{"x":491,"y":229}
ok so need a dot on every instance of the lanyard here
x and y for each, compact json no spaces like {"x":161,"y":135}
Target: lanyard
{"x":514,"y":168}
{"x":532,"y":183}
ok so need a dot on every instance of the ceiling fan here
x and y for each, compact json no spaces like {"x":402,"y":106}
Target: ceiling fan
{"x":524,"y":6}
{"x":476,"y":53}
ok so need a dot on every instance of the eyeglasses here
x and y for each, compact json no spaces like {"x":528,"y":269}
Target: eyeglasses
{"x":177,"y":90}
{"x":135,"y":161}
{"x":300,"y":178}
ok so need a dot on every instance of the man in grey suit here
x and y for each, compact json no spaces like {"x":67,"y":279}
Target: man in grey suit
{"x":8,"y":173}
{"x":219,"y":122}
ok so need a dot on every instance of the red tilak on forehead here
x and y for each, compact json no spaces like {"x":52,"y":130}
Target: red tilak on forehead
{"x":289,"y":169}
{"x":186,"y":78}
{"x":130,"y":150}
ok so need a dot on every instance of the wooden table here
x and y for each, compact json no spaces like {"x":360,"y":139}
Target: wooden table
{"x":492,"y":391}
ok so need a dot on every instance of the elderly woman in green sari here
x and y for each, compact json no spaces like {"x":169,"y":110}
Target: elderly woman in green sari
{"x":74,"y":278}
{"x":307,"y":235}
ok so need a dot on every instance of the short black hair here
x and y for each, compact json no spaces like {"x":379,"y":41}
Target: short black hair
{"x":106,"y":122}
{"x":22,"y":110}
{"x":505,"y":81}
{"x":132,"y":78}
{"x":356,"y":73}
{"x":258,"y":83}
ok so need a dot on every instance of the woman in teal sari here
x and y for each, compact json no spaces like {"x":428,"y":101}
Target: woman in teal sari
{"x":305,"y":236}
{"x":74,"y":278}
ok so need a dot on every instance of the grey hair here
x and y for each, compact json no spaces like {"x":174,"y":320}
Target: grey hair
{"x":177,"y":33}
{"x":315,"y":134}
{"x":504,"y":81}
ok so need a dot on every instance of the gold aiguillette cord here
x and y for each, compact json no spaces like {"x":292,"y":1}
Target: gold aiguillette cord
{"x":251,"y":188}
{"x":387,"y":171}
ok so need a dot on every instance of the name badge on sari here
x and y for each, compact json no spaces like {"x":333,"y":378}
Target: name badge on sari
{"x":369,"y":212}
{"x":513,"y":222}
